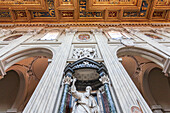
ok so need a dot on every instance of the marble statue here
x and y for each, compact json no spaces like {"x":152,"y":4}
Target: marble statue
{"x":85,"y":103}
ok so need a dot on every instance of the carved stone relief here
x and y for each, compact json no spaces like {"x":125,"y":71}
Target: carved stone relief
{"x":4,"y":32}
{"x":84,"y":52}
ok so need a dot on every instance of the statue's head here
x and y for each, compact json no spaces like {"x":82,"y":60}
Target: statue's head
{"x":88,"y":91}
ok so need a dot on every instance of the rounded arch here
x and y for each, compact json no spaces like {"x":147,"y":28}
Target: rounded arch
{"x":26,"y":53}
{"x":156,"y":87}
{"x":147,"y":54}
{"x":22,"y":86}
{"x":9,"y":89}
{"x":145,"y":89}
{"x":148,"y":61}
{"x":24,"y":76}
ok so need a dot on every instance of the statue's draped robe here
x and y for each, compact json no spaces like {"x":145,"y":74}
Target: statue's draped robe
{"x":85,"y":104}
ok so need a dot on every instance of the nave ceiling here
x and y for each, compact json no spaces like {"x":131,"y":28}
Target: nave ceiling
{"x":62,"y":11}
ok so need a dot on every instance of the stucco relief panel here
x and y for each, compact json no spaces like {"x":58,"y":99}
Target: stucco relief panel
{"x":81,"y":51}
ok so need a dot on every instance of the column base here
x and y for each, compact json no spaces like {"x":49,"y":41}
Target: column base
{"x":11,"y":111}
{"x":156,"y":109}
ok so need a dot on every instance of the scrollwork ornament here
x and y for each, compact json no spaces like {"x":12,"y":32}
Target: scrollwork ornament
{"x":67,"y":80}
{"x":104,"y":79}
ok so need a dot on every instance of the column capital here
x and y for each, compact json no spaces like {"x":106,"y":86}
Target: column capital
{"x":67,"y":80}
{"x":4,"y":32}
{"x":104,"y":79}
{"x":96,"y":31}
{"x":70,"y":31}
{"x":132,"y":30}
{"x":127,"y":42}
{"x":166,"y":68}
{"x":2,"y":69}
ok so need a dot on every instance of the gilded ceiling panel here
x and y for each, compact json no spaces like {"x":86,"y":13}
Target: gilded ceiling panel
{"x":49,"y":13}
{"x":115,"y":2}
{"x":140,"y":13}
{"x":85,"y":10}
{"x":4,"y":13}
{"x":163,"y":2}
{"x":16,"y":2}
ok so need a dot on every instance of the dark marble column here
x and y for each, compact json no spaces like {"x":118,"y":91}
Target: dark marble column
{"x":105,"y":80}
{"x":67,"y":80}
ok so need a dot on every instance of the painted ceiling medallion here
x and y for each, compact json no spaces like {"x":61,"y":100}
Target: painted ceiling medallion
{"x":84,"y":37}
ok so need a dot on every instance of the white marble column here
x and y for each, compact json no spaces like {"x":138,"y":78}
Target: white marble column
{"x":45,"y":96}
{"x":125,"y":89}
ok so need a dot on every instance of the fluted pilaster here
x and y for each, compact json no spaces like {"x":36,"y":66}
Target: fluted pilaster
{"x":125,"y":89}
{"x":45,"y":95}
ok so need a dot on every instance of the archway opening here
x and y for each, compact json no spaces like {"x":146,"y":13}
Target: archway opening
{"x":9,"y":87}
{"x":150,"y":81}
{"x":29,"y":72}
{"x":159,"y":85}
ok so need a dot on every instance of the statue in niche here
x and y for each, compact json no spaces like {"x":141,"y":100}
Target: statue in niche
{"x":85,"y":103}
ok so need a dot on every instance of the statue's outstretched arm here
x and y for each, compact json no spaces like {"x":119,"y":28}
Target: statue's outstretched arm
{"x":74,"y":92}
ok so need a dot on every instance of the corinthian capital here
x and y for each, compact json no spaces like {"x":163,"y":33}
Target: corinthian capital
{"x":67,"y":80}
{"x":104,"y":79}
{"x":96,"y":31}
{"x":70,"y":31}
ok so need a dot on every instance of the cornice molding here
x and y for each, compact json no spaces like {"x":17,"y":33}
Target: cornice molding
{"x":81,"y":24}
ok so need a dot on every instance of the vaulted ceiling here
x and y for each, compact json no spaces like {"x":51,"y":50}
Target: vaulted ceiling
{"x":13,"y":11}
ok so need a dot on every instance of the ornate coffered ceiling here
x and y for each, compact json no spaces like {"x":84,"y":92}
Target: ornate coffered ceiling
{"x":84,"y":11}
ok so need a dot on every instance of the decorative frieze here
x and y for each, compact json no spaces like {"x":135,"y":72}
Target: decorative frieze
{"x":79,"y":53}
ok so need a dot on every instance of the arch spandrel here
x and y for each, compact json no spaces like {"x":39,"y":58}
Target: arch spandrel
{"x":10,"y":59}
